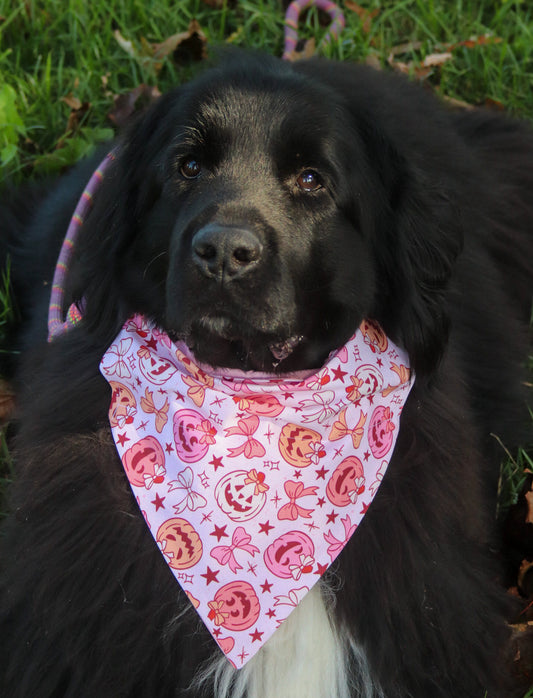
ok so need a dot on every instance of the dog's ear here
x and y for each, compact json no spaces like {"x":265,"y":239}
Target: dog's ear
{"x":408,"y":201}
{"x":106,"y":261}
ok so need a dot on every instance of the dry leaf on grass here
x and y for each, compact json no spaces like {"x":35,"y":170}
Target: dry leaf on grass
{"x":125,"y":105}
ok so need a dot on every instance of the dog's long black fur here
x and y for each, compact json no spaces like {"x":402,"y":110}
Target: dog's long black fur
{"x":409,"y":213}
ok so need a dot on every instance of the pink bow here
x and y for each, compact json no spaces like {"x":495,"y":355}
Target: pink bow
{"x":192,"y":500}
{"x":336,"y":545}
{"x":251,"y":447}
{"x":224,"y":554}
{"x":292,"y":511}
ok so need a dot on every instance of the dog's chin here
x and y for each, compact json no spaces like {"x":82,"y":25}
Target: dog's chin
{"x":224,"y":344}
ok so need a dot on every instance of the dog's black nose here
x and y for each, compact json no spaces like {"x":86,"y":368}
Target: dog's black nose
{"x":225,"y":251}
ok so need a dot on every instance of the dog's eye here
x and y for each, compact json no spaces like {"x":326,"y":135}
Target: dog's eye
{"x":190,"y":168}
{"x":309,"y":180}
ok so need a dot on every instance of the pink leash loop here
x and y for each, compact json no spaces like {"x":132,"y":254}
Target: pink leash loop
{"x":57,"y":324}
{"x":291,"y":22}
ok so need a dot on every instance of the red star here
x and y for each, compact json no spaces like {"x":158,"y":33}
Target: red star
{"x":288,"y":396}
{"x":158,"y":502}
{"x":331,"y":517}
{"x":265,"y":527}
{"x":169,"y":448}
{"x":298,"y":473}
{"x":379,"y":362}
{"x":219,"y":532}
{"x":256,"y":635}
{"x":321,"y":569}
{"x":321,"y":473}
{"x":122,"y":438}
{"x":365,"y":509}
{"x":216,"y":632}
{"x":152,"y":343}
{"x":338,"y":374}
{"x":267,"y":586}
{"x":179,"y":396}
{"x":217,"y":462}
{"x":321,"y":502}
{"x":270,"y":613}
{"x":366,"y":455}
{"x":210,"y":576}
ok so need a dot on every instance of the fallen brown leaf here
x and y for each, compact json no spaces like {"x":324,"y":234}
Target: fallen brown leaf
{"x":125,"y":105}
{"x":366,"y":16}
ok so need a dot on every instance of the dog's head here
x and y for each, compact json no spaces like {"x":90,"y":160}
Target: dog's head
{"x":262,"y":211}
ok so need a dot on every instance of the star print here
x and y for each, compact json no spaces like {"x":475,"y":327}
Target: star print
{"x":269,"y":434}
{"x":332,"y":517}
{"x":321,"y":474}
{"x":158,"y":502}
{"x":321,"y":569}
{"x":256,"y":635}
{"x":216,"y":461}
{"x":288,"y":396}
{"x":243,"y":655}
{"x":267,"y":586}
{"x":210,"y":575}
{"x":265,"y":527}
{"x":216,"y":632}
{"x":338,"y":374}
{"x":218,"y":401}
{"x":366,"y":455}
{"x":321,"y":502}
{"x":338,"y":452}
{"x":143,"y":425}
{"x":271,"y":613}
{"x":298,"y":474}
{"x":179,"y":396}
{"x":276,"y":499}
{"x":379,"y":362}
{"x":365,"y":508}
{"x":219,"y":532}
{"x":169,"y":448}
{"x":207,"y":517}
{"x":311,"y":526}
{"x":122,"y":438}
{"x":152,"y":343}
{"x":252,"y":568}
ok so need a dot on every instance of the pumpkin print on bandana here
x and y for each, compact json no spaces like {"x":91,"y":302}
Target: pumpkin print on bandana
{"x":252,"y":484}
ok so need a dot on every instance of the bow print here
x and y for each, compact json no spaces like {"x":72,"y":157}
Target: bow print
{"x":216,"y":613}
{"x":148,"y":406}
{"x":162,"y":544}
{"x":318,"y":380}
{"x":403,"y":374}
{"x":293,"y":598}
{"x":157,"y":476}
{"x":305,"y":566}
{"x":379,"y":477}
{"x":191,"y":500}
{"x":197,"y":381}
{"x":340,"y":429}
{"x":119,"y":367}
{"x":352,"y":391}
{"x":316,"y":451}
{"x":294,"y":491}
{"x":335,"y":545}
{"x":318,"y":408}
{"x":257,"y":479}
{"x":251,"y":448}
{"x":127,"y":418}
{"x":224,"y":554}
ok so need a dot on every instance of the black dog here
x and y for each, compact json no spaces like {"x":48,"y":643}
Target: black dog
{"x":259,"y":214}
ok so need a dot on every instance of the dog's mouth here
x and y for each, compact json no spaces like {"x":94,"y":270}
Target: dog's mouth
{"x":222,"y":342}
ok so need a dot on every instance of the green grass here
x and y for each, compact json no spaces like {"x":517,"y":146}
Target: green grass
{"x":56,"y":49}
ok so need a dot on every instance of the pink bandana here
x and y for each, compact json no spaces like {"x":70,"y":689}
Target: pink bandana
{"x":252,"y":484}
